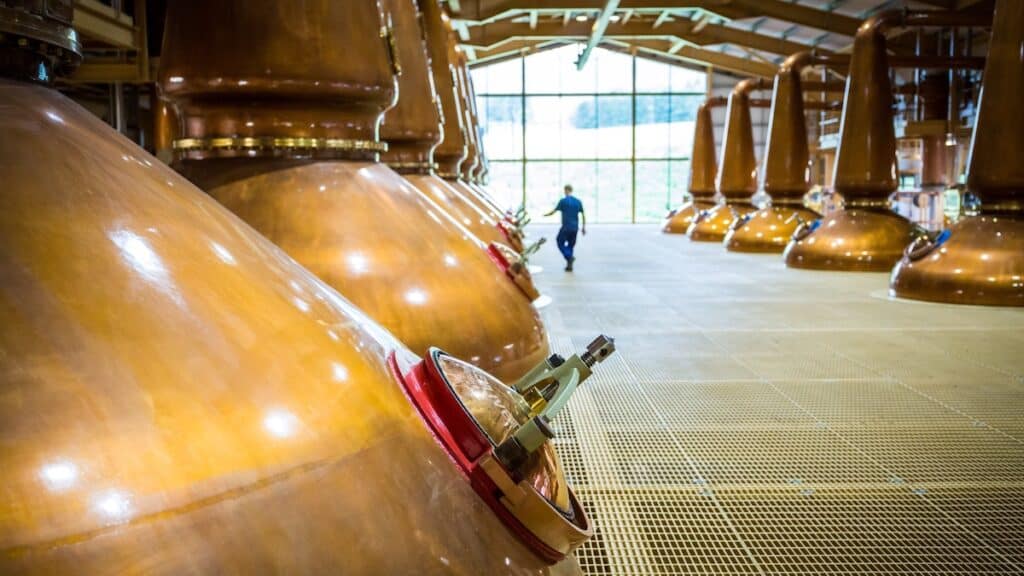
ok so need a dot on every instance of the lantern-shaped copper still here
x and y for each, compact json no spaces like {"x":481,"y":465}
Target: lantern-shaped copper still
{"x":866,"y":235}
{"x":980,"y":260}
{"x":453,"y":150}
{"x":412,"y":129}
{"x":179,"y":396}
{"x":469,"y":169}
{"x":786,"y":170}
{"x":703,"y":171}
{"x":285,"y":136}
{"x":737,"y":180}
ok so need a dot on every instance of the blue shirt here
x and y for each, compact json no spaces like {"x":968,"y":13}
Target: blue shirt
{"x":571,"y":208}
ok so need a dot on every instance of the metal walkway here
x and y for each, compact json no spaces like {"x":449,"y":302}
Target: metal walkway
{"x":761,"y":420}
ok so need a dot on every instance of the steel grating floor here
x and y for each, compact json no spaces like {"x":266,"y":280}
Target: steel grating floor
{"x":761,"y":420}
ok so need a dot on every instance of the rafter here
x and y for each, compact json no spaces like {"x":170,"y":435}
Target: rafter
{"x":486,"y":11}
{"x":654,"y":48}
{"x":708,"y":34}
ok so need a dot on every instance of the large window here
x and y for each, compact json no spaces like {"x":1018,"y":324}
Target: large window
{"x":620,"y":131}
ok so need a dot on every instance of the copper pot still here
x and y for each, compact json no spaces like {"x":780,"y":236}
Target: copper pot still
{"x":179,"y":396}
{"x":703,"y":172}
{"x":469,"y":181}
{"x":785,"y":168}
{"x":454,"y":147}
{"x":980,"y":260}
{"x":295,"y":156}
{"x":866,"y":235}
{"x":413,"y":129}
{"x":737,"y":180}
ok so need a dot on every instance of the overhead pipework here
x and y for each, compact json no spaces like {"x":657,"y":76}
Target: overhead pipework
{"x":297,"y":160}
{"x":980,"y":260}
{"x":866,"y":235}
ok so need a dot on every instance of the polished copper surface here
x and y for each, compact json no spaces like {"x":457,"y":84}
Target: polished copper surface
{"x":164,"y":122}
{"x":499,"y":411}
{"x":472,"y":161}
{"x":767,"y":229}
{"x":737,"y":177}
{"x":980,"y":260}
{"x":177,"y":396}
{"x":737,"y":180}
{"x":704,"y":159}
{"x":482,"y":164}
{"x":412,"y":127}
{"x":679,"y":219}
{"x":356,"y":224}
{"x":273,"y":83}
{"x":786,"y":172}
{"x":703,"y":171}
{"x":455,"y":202}
{"x":867,"y":235}
{"x":452,"y":150}
{"x":390,"y":250}
{"x":513,"y":236}
{"x":861,"y":240}
{"x":713,"y":224}
{"x":933,"y":94}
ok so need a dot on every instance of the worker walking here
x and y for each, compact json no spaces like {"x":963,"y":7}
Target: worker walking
{"x":572,"y":210}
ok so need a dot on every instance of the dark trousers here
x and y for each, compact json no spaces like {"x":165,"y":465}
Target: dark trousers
{"x":566,"y":241}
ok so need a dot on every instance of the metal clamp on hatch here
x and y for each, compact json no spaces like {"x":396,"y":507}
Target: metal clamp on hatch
{"x":547,"y":388}
{"x":498,"y":436}
{"x":514,"y":264}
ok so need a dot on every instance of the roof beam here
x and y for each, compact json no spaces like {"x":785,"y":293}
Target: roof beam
{"x":486,"y":11}
{"x":658,"y":50}
{"x":827,"y":21}
{"x":493,"y":34}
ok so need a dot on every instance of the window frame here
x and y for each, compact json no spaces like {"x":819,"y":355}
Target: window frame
{"x":632,"y":159}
